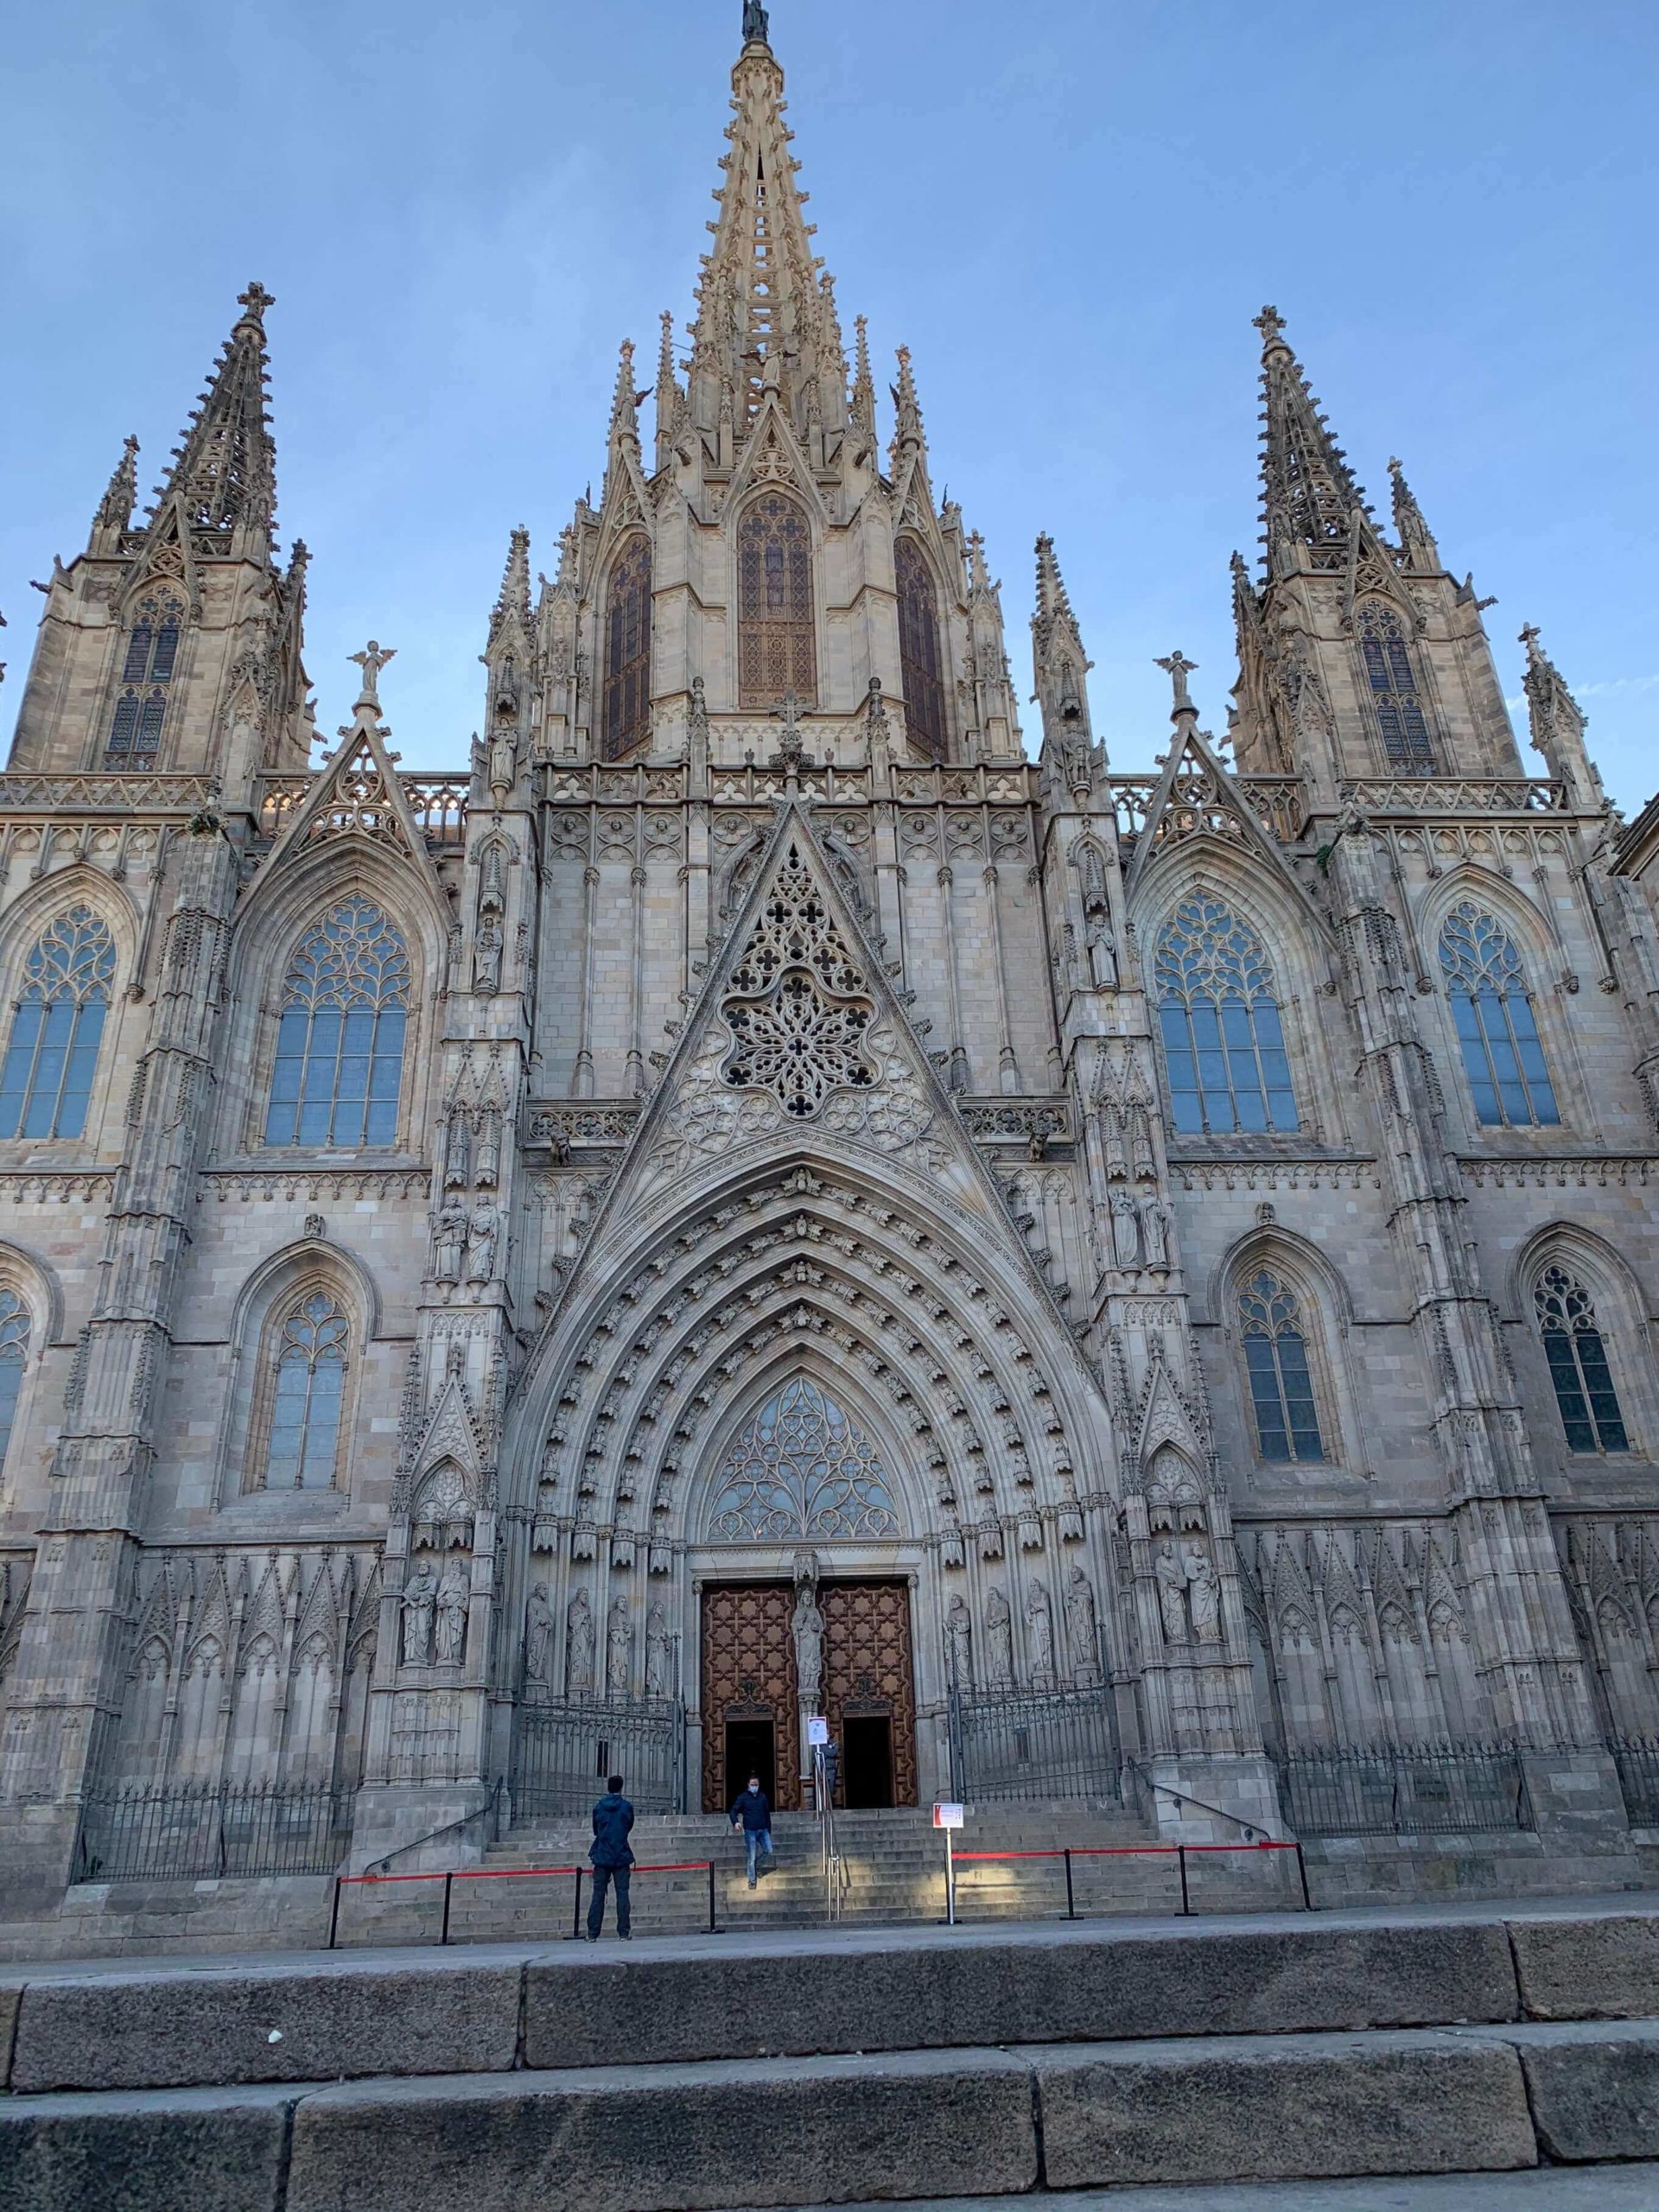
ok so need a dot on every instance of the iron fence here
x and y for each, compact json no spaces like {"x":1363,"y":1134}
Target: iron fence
{"x":202,"y":1831}
{"x":1638,"y":1760}
{"x":562,"y":1750}
{"x":1426,"y":1789}
{"x":1034,"y":1743}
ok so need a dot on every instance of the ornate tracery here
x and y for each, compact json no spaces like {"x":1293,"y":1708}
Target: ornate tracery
{"x":798,"y":1004}
{"x":921,"y":668}
{"x":802,"y":1468}
{"x":1276,"y":1362}
{"x":1503,"y":1056}
{"x":45,"y":1082}
{"x":1579,"y":1367}
{"x":1395,"y":701}
{"x":339,"y":1047}
{"x":1223,"y":1044}
{"x":624,"y":711}
{"x":152,"y":652}
{"x":777,"y":648}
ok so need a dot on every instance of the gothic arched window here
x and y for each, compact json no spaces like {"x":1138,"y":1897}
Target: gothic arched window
{"x":135,"y":736}
{"x":1282,"y":1381}
{"x":625,"y":708}
{"x":1496,"y":1034}
{"x":1224,"y":1045}
{"x":777,"y":648}
{"x":14,"y":1355}
{"x":339,"y":1046}
{"x":1395,"y":700}
{"x":56,"y":1027}
{"x":801,"y":1468}
{"x":1578,"y":1363}
{"x":306,"y":1394}
{"x":920,"y":667}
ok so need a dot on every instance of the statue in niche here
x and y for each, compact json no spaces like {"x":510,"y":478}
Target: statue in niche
{"x":998,"y":1640}
{"x":579,"y":1647}
{"x":448,"y":1242}
{"x":1172,"y":1593}
{"x":504,"y":751}
{"x":1083,"y":1633}
{"x":1155,"y":1227}
{"x":658,"y":1655}
{"x":959,"y":1637}
{"x":1039,"y":1629}
{"x":483,"y":1236}
{"x":1125,"y":1230}
{"x":457,"y":1154}
{"x":1205,"y":1592}
{"x":420,"y":1594}
{"x":807,"y":1627}
{"x":619,"y":1649}
{"x":538,"y":1637}
{"x":1102,"y":948}
{"x":454,"y":1590}
{"x":486,"y":954}
{"x":487,"y":1173}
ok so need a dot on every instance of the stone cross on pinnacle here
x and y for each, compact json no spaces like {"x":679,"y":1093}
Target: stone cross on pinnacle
{"x":792,"y":751}
{"x":256,"y":300}
{"x":1271,"y":324}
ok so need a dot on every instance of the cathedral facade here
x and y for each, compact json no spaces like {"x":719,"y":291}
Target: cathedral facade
{"x":756,"y":1199}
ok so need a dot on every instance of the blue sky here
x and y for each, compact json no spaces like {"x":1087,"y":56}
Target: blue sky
{"x":1071,"y":213}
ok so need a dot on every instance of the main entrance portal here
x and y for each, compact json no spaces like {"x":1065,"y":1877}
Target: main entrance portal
{"x":750,"y":1692}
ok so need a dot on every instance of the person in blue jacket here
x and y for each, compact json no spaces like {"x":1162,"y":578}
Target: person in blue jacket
{"x":751,"y":1812}
{"x":612,"y":1858}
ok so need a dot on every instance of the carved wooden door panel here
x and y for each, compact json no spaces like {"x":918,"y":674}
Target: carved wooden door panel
{"x":867,"y":1667}
{"x":748,"y":1673}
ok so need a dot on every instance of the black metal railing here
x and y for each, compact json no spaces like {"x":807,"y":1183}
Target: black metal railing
{"x":1034,"y":1743}
{"x":562,"y":1750}
{"x":1638,"y":1760}
{"x":1406,"y":1789}
{"x":176,"y":1831}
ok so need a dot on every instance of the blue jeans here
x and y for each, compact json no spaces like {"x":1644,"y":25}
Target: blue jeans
{"x":757,"y":1840}
{"x":602,"y":1877}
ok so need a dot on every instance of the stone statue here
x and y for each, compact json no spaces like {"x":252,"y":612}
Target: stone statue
{"x":1125,"y":1230}
{"x":1205,"y":1592}
{"x":486,"y":956}
{"x":1172,"y":1593}
{"x":420,"y":1592}
{"x":453,"y":1590}
{"x":538,"y":1637}
{"x":756,"y":31}
{"x":619,"y":1649}
{"x":1103,"y":952}
{"x":483,"y":1235}
{"x":1082,"y":1633}
{"x":449,"y":1242}
{"x":998,"y":1640}
{"x":372,"y":659}
{"x":503,"y":751}
{"x":808,"y":1629}
{"x":959,"y":1633}
{"x":658,"y":1655}
{"x":1155,"y":1226}
{"x":1039,"y":1624}
{"x":579,"y":1647}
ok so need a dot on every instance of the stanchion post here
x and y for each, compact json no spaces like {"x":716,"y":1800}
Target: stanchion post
{"x":449,"y":1891}
{"x":1070,"y":1901}
{"x":333,"y":1916}
{"x":949,"y":1877}
{"x":575,"y":1910}
{"x":1180,"y":1855}
{"x":712,"y":1929}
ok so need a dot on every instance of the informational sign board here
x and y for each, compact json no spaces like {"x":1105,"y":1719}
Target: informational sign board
{"x":817,"y":1729}
{"x":948,"y":1816}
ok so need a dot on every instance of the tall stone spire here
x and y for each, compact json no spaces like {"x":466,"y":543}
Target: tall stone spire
{"x":115,"y":508}
{"x":1308,"y":492}
{"x":1061,"y":665}
{"x":223,"y":482}
{"x":511,"y":623}
{"x":1416,"y":540}
{"x":1558,"y":727}
{"x":907,"y":432}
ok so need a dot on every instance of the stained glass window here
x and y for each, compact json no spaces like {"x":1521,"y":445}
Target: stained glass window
{"x":1496,"y":1034}
{"x":1224,"y":1045}
{"x":1393,"y":690}
{"x":777,"y":650}
{"x":146,"y":671}
{"x":625,"y":712}
{"x":801,"y":1468}
{"x":339,"y":1045}
{"x":1275,"y":1359}
{"x":307,"y":1396}
{"x":1578,"y":1364}
{"x":14,"y":1353}
{"x":920,"y":666}
{"x":47,"y":1078}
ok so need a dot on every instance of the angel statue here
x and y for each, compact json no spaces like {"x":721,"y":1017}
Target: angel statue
{"x":755,"y":27}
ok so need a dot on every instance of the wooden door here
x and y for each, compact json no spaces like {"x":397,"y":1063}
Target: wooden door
{"x":748,"y":1675}
{"x":868,"y":1670}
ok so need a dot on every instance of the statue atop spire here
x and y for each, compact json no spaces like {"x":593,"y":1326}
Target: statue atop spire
{"x":756,"y":29}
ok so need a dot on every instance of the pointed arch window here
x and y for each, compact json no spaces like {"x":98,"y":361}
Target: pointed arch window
{"x":14,"y":1357}
{"x":307,"y":1394}
{"x":1281,"y":1377}
{"x":1579,"y":1367}
{"x":1497,"y":1035}
{"x":921,"y":663}
{"x":801,"y":1468}
{"x":1395,"y":700}
{"x":1224,"y":1043}
{"x":57,"y":1024}
{"x":777,"y":647}
{"x":625,"y":706}
{"x":339,"y":1045}
{"x":134,"y":738}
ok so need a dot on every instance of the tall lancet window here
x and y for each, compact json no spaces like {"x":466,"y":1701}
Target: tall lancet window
{"x":56,"y":1027}
{"x":776,"y":647}
{"x":625,"y":707}
{"x":307,"y":1392}
{"x":1223,"y":1044}
{"x":1502,"y":1057}
{"x":339,"y":1047}
{"x":134,"y":738}
{"x":1395,"y":700}
{"x":1578,"y":1368}
{"x":1281,"y":1381}
{"x":14,"y":1355}
{"x":920,"y":666}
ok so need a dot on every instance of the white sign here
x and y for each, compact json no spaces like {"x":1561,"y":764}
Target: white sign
{"x":948,"y":1816}
{"x":817,"y":1729}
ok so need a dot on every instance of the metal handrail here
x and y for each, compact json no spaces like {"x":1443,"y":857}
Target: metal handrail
{"x":492,"y":1803}
{"x":1253,"y":1829}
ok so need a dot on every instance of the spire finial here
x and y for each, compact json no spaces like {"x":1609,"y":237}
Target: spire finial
{"x":115,"y":510}
{"x":1271,"y":324}
{"x":1177,"y":667}
{"x":372,"y":659}
{"x":1416,"y":540}
{"x":256,"y":300}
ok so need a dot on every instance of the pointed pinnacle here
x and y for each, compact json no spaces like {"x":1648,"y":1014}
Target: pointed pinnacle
{"x":115,"y":510}
{"x":863,"y":382}
{"x":1052,"y":597}
{"x":512,"y":602}
{"x":224,"y":470}
{"x":1409,"y":527}
{"x":623,"y":403}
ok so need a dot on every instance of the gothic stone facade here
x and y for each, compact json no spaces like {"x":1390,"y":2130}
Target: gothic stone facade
{"x":756,"y":1192}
